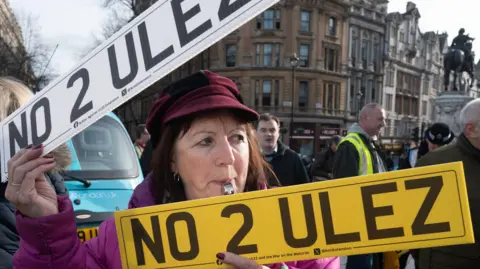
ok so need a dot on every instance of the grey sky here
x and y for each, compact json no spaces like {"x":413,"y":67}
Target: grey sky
{"x":72,"y":23}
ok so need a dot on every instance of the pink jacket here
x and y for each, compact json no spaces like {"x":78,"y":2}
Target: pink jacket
{"x":51,"y":242}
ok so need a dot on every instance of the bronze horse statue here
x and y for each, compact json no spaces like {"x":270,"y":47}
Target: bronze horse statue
{"x":454,"y":60}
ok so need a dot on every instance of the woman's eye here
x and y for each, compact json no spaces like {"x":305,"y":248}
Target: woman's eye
{"x":239,"y":138}
{"x":207,"y":141}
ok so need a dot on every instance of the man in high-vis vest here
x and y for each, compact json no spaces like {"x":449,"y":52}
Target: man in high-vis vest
{"x":358,"y":155}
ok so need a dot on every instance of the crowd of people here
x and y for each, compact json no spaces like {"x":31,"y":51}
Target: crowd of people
{"x":200,"y":121}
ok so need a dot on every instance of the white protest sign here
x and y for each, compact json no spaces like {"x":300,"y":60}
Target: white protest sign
{"x":162,"y":38}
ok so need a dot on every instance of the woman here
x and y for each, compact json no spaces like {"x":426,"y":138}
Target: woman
{"x":14,"y":94}
{"x":198,"y":122}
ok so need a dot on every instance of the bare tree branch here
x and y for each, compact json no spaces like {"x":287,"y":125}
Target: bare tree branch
{"x":120,"y":13}
{"x":130,"y":4}
{"x":37,"y":53}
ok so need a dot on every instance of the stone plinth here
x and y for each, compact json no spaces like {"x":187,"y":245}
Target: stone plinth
{"x":447,"y":109}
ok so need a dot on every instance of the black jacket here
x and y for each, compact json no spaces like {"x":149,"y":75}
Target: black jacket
{"x":146,"y":158}
{"x":346,"y":162}
{"x":288,"y":167}
{"x":9,"y":239}
{"x":323,"y":164}
{"x":456,"y":256}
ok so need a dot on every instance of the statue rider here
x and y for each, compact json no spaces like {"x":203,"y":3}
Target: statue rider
{"x":459,"y":42}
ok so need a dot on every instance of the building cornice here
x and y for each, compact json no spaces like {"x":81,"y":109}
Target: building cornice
{"x":411,"y":67}
{"x":299,"y":70}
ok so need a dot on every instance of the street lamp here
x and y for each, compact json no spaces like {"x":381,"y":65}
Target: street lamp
{"x":293,"y":62}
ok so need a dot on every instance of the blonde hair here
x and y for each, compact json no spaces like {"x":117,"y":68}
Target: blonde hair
{"x":13,"y":95}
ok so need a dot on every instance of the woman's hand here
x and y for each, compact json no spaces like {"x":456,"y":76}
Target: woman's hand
{"x":28,"y":190}
{"x":238,"y":261}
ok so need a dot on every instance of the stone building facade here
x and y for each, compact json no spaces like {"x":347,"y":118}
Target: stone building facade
{"x":413,"y":74}
{"x":257,"y":56}
{"x":13,"y":60}
{"x":365,"y":54}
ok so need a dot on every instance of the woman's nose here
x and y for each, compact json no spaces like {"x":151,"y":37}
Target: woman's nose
{"x":224,"y":153}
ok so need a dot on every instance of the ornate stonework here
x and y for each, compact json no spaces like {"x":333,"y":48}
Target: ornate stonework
{"x":447,"y":109}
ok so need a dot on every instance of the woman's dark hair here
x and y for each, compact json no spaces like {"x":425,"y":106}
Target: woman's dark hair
{"x":166,"y":189}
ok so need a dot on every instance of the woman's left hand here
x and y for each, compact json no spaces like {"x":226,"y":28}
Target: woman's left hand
{"x":238,"y":261}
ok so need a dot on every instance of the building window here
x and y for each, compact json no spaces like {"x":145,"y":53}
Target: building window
{"x":276,"y":94}
{"x":277,"y":54}
{"x":269,"y":20}
{"x":305,"y":21}
{"x":304,"y":55}
{"x":353,"y":52}
{"x":424,"y":108}
{"x":231,"y":54}
{"x":303,"y":94}
{"x":398,"y":104}
{"x":332,"y":26}
{"x":364,"y":53}
{"x":402,"y":37}
{"x":331,"y":96}
{"x":267,"y":54}
{"x":331,"y":58}
{"x":376,"y":57}
{"x":414,"y":107}
{"x":267,"y":93}
{"x":389,"y":102}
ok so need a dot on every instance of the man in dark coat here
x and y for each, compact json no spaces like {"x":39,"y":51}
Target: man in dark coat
{"x":350,"y":162}
{"x":322,"y":167}
{"x":286,"y":163}
{"x":466,"y":150}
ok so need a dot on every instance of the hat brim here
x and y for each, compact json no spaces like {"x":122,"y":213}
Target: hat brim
{"x":215,"y":102}
{"x":441,"y":143}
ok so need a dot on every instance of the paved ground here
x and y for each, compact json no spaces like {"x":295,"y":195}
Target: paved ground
{"x":410,"y":264}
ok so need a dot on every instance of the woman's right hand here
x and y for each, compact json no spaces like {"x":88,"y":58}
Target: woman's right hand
{"x":28,"y":189}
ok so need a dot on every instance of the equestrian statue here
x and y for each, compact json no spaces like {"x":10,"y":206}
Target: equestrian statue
{"x":459,"y":59}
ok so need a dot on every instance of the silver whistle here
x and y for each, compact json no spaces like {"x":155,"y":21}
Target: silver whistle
{"x":228,"y":189}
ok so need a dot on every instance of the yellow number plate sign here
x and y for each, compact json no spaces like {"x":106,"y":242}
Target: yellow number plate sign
{"x":407,"y":209}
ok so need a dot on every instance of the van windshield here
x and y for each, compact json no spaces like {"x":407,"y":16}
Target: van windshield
{"x":103,"y":151}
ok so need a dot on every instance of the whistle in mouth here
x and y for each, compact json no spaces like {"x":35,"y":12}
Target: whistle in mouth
{"x":228,"y":189}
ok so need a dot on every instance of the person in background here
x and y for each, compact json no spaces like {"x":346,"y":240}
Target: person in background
{"x":142,"y":136}
{"x":146,"y":159}
{"x":410,"y":159}
{"x":465,"y":149}
{"x":286,"y":163}
{"x":357,"y":154}
{"x":13,"y":95}
{"x":203,"y":138}
{"x":322,"y":167}
{"x":438,"y":136}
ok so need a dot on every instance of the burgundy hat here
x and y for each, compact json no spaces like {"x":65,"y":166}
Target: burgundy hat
{"x":199,"y":92}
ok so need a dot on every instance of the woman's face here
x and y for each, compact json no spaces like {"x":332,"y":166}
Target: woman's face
{"x":212,"y":152}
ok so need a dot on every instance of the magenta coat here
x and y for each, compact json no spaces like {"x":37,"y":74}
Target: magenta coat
{"x":51,"y":242}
